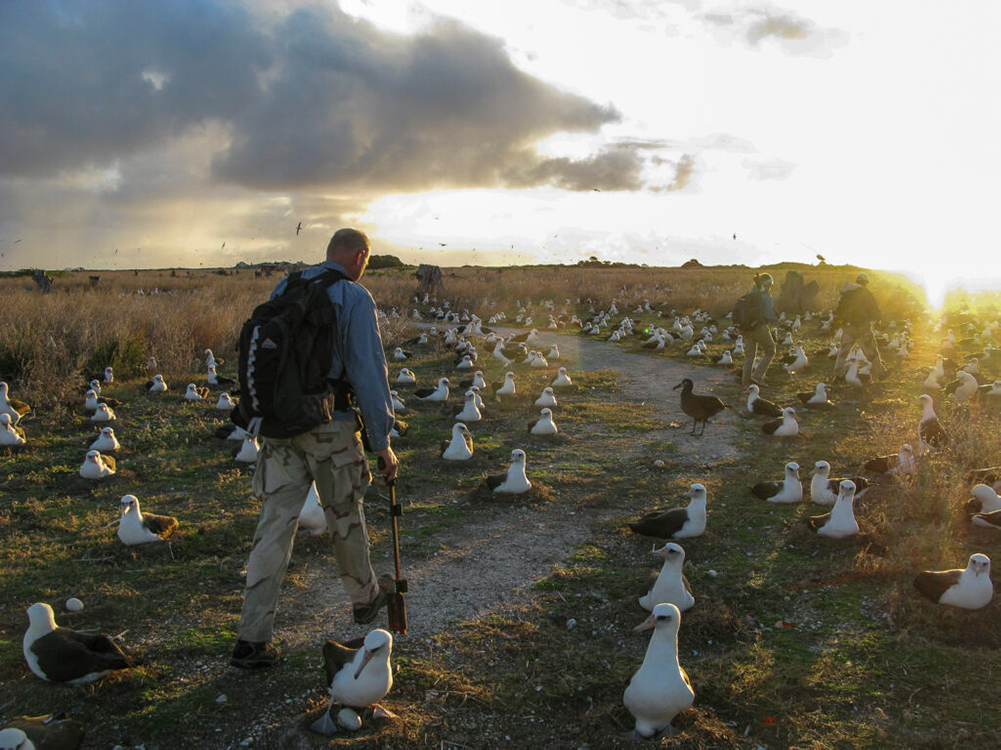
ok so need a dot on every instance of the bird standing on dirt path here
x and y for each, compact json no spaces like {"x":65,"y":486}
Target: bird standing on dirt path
{"x":700,"y":408}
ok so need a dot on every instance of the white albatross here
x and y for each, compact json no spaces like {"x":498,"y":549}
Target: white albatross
{"x":660,"y":689}
{"x":966,"y":589}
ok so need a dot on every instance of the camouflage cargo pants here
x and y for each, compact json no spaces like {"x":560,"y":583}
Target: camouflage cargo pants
{"x":332,"y":456}
{"x":760,"y":336}
{"x":862,"y":337}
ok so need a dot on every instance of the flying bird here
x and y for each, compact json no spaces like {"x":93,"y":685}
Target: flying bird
{"x":298,"y":228}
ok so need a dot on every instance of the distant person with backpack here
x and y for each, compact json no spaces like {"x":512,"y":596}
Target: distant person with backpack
{"x":329,"y":453}
{"x":856,"y":312}
{"x":753,"y":314}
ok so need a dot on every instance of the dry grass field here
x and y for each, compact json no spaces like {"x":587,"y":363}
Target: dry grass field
{"x":794,"y":641}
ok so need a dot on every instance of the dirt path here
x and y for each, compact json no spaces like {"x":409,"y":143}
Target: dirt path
{"x":509,"y":548}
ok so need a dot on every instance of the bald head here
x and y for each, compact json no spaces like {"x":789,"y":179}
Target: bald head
{"x":349,"y":248}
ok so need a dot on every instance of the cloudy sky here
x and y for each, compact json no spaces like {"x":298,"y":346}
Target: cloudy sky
{"x":202,"y":132}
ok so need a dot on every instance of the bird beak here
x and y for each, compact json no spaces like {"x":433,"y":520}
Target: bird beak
{"x":645,"y":625}
{"x":676,"y":387}
{"x":365,"y":660}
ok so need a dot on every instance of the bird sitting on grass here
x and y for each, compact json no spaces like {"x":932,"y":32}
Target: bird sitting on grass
{"x":196,"y":393}
{"x":671,"y":585}
{"x":816,"y":399}
{"x":216,"y":379}
{"x":840,"y":523}
{"x":824,"y":490}
{"x":967,"y":589}
{"x":699,"y":407}
{"x":62,"y":655}
{"x":676,"y":523}
{"x":759,"y":406}
{"x":106,"y":441}
{"x":136,"y":527}
{"x":91,"y":401}
{"x":460,"y":447}
{"x":12,"y":406}
{"x":785,"y":427}
{"x":544,"y":425}
{"x":96,"y":466}
{"x":515,"y":481}
{"x":156,"y":385}
{"x":892,"y":465}
{"x":786,"y":490}
{"x":10,"y":434}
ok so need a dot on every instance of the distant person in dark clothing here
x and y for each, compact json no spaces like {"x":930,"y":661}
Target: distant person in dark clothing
{"x":758,"y":333}
{"x":856,"y":312}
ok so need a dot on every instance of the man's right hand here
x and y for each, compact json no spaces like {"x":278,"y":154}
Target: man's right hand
{"x":388,"y":464}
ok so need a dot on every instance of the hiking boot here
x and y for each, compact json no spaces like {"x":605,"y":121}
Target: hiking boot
{"x":248,"y":655}
{"x":365,"y":613}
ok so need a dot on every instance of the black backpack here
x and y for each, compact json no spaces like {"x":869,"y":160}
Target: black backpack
{"x":851,"y":307}
{"x":747,"y":311}
{"x":285,"y":358}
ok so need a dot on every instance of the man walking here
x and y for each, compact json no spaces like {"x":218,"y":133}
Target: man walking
{"x":757,"y":332}
{"x":856,"y":312}
{"x":331,"y":455}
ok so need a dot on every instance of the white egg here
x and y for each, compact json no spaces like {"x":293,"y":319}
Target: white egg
{"x":73,"y":604}
{"x":349,"y":719}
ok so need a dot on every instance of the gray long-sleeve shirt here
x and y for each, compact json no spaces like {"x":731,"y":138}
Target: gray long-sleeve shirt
{"x":358,"y":356}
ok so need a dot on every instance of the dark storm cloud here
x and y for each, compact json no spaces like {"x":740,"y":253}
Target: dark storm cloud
{"x":355,"y":106}
{"x":315,"y":99}
{"x":73,"y":92}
